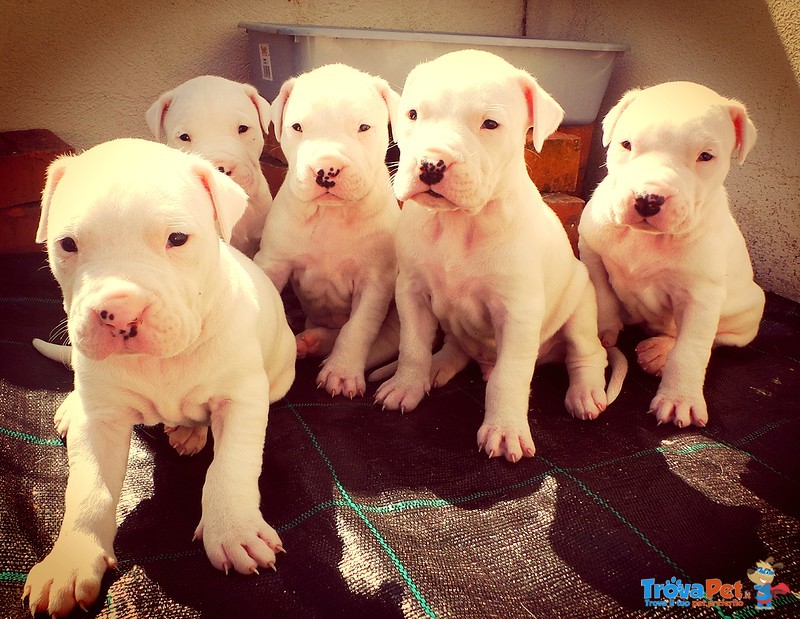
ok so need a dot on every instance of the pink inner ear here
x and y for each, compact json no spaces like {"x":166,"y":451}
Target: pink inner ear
{"x":529,"y":101}
{"x":206,"y":186}
{"x":738,"y":125}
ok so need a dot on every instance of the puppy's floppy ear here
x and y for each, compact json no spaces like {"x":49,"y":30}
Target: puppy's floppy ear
{"x":610,"y":120}
{"x":745,"y":129}
{"x":391,"y":98}
{"x":278,"y":106}
{"x":228,"y":199}
{"x":156,"y":113}
{"x":544,"y":113}
{"x":55,"y":173}
{"x":262,"y":106}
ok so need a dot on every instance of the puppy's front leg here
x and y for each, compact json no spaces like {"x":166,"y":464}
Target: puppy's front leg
{"x":609,"y":312}
{"x":70,"y":575}
{"x":232,"y":528}
{"x":412,"y":381}
{"x":343,"y":370}
{"x":680,"y":395}
{"x":505,"y":430}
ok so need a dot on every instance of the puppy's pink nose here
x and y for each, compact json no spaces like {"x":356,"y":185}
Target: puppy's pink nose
{"x":224,"y":166}
{"x":122,"y":315}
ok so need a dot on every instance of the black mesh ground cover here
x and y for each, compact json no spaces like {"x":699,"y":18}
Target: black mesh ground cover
{"x":388,"y":515}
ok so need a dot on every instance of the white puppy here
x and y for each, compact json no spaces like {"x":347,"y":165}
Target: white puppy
{"x":660,"y":243}
{"x":482,"y":255}
{"x":222,"y":121}
{"x":171,"y":325}
{"x":331,"y":230}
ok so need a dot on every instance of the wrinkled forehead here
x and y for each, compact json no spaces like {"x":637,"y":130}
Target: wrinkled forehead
{"x":211,"y":99}
{"x":104,"y":194}
{"x":689,"y":119}
{"x":335,"y":95}
{"x":481,"y":84}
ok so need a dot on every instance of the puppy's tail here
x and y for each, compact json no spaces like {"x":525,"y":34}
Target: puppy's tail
{"x":619,"y":368}
{"x":56,"y":352}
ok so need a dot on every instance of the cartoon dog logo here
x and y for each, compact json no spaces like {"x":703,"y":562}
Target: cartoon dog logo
{"x":762,"y":577}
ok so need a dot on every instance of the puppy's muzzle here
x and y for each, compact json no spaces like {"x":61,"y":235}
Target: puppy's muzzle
{"x":648,"y":204}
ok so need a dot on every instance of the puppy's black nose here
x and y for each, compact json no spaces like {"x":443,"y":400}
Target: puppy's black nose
{"x":324,"y":177}
{"x":648,"y":204}
{"x":224,"y":171}
{"x":431,"y":173}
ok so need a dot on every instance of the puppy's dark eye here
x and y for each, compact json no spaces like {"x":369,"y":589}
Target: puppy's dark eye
{"x":626,"y":145}
{"x":68,"y":244}
{"x":364,"y":128}
{"x":184,"y":137}
{"x":243,"y":128}
{"x":705,"y":156}
{"x":412,"y":114}
{"x":297,"y":127}
{"x":176,"y":239}
{"x":490,"y":124}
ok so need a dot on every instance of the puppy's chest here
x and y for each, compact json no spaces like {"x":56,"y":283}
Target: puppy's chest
{"x":172,"y":398}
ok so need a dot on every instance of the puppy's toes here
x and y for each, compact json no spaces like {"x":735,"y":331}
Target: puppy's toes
{"x":506,"y":440}
{"x":185,"y":440}
{"x":585,"y":402}
{"x":652,"y":353}
{"x":682,"y":409}
{"x":401,"y":394}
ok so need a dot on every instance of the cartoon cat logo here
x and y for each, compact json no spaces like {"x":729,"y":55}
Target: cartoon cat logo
{"x":762,"y":577}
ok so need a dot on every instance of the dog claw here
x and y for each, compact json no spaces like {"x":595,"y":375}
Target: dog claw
{"x":280,"y":548}
{"x":491,"y":454}
{"x":255,"y":571}
{"x":274,"y":569}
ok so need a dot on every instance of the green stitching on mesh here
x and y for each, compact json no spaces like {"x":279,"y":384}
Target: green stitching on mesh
{"x":30,"y":438}
{"x":619,"y":516}
{"x":357,"y":509}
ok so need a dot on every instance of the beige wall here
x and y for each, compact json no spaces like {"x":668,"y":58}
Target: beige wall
{"x":88,"y":71}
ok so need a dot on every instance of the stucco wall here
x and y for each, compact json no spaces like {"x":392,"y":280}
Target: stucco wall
{"x":89,"y":70}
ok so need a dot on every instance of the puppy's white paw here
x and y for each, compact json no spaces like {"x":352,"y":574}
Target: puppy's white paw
{"x":61,"y":420}
{"x":403,"y":393}
{"x":682,"y":409}
{"x":337,"y":379}
{"x":68,"y":577}
{"x":185,"y":440}
{"x":241,"y":542}
{"x":585,"y":401}
{"x":653,"y":352}
{"x":508,"y":439}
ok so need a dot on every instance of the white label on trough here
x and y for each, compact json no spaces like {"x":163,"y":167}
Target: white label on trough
{"x":266,"y":61}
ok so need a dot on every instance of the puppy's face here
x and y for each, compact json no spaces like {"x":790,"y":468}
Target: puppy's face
{"x":221,"y":120}
{"x":669,"y":150}
{"x":131,"y":238}
{"x":461,"y":127}
{"x":332,"y":124}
